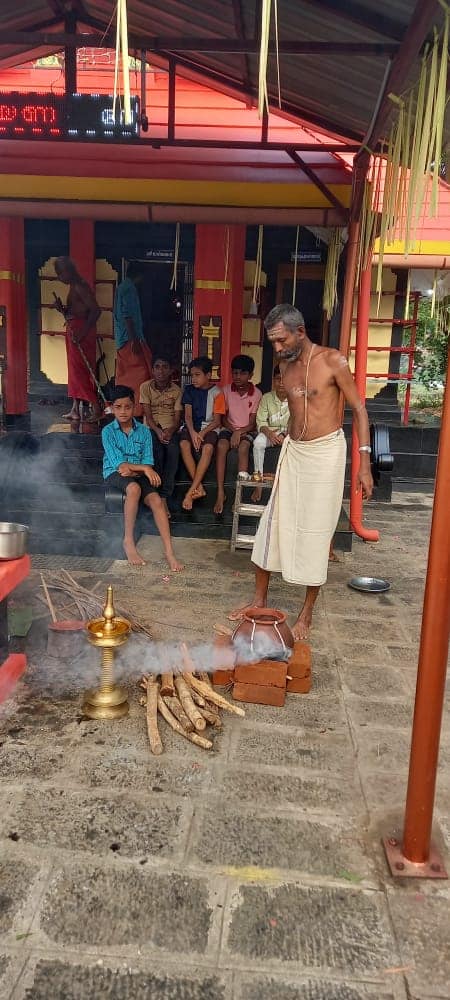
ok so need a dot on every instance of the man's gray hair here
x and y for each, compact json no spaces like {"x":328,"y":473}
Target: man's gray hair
{"x":291,"y":317}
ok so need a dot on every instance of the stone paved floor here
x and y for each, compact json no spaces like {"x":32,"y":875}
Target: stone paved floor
{"x":250,"y":873}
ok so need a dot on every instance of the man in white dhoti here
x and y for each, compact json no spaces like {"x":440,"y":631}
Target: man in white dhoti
{"x":298,"y":524}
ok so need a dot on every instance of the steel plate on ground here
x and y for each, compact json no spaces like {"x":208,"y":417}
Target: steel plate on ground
{"x":369,"y":584}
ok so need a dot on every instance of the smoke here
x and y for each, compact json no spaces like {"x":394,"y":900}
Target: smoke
{"x":40,"y":480}
{"x":52,"y":677}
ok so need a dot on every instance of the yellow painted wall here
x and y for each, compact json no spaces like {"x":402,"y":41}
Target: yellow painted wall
{"x":379,"y":334}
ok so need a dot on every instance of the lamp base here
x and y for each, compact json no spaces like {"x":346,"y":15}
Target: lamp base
{"x":106,"y":704}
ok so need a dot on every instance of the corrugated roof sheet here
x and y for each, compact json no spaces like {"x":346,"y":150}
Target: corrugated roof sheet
{"x":337,"y":92}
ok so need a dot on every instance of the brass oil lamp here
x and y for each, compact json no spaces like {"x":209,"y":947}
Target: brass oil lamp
{"x":107,"y":633}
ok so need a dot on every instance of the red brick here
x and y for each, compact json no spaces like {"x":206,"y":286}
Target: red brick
{"x":299,"y":664}
{"x":259,"y":694}
{"x":224,"y":656}
{"x":299,"y":685}
{"x":223,"y":677}
{"x":270,"y":673}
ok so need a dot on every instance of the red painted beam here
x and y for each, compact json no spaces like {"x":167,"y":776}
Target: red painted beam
{"x":10,"y":671}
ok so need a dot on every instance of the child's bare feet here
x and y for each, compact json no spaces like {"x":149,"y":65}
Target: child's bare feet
{"x":174,"y":565}
{"x":256,"y":494}
{"x":72,"y":415}
{"x":193,"y":494}
{"x":132,"y":554}
{"x":220,"y":502}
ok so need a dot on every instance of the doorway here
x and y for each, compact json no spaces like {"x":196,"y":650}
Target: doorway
{"x":308,"y":295}
{"x":167,"y":315}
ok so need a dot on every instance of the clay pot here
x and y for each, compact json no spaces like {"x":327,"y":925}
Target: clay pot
{"x":263,"y":633}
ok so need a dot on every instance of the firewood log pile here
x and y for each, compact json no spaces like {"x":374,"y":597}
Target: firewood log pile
{"x":187,"y":702}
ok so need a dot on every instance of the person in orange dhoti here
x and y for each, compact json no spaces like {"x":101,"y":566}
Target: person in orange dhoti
{"x":134,"y":357}
{"x":81,"y":313}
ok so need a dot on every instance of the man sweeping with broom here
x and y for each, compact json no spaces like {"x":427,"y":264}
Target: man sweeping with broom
{"x":297,"y":526}
{"x":81,"y":313}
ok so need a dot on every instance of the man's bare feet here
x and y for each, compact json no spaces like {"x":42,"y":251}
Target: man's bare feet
{"x":220,"y":502}
{"x":132,"y":554}
{"x":256,"y":495}
{"x":174,"y":565}
{"x":300,"y":630}
{"x":332,"y":557}
{"x":238,"y":613}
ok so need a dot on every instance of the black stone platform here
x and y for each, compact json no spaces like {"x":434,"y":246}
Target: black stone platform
{"x":54,"y":484}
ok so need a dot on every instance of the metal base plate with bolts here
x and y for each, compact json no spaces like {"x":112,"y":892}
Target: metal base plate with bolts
{"x":402,"y":868}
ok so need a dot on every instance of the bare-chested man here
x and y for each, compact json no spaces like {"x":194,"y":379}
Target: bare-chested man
{"x":300,"y":519}
{"x":81,"y":313}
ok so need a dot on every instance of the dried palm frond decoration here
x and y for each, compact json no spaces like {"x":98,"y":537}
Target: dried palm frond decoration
{"x":294,"y":277}
{"x":257,"y":279}
{"x":403,"y":180}
{"x":263,"y":98}
{"x":226,"y":253}
{"x":330,"y":296}
{"x":173,"y":283}
{"x":122,"y":50}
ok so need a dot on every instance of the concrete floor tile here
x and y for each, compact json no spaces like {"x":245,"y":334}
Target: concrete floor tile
{"x":389,"y":631}
{"x":62,"y":980}
{"x":141,"y":773}
{"x":273,"y":988}
{"x":388,"y":713}
{"x":16,"y":882}
{"x":302,"y":712}
{"x":338,"y":930}
{"x":374,"y":679}
{"x":319,"y":847}
{"x":421,"y":923}
{"x":319,"y":793}
{"x":326,"y":752}
{"x":110,"y":908}
{"x":98,"y":824}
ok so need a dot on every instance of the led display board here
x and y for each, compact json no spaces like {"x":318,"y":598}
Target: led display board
{"x":71,"y":116}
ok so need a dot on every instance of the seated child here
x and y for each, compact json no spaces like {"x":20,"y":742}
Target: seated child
{"x":161,"y":402}
{"x":203,"y":406}
{"x":128,"y":465}
{"x":241,"y":401}
{"x":272,"y":420}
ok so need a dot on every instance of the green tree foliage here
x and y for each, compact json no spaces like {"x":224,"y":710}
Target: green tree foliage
{"x":432,"y":348}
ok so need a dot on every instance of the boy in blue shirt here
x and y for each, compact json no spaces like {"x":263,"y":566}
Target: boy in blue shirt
{"x":128,"y":465}
{"x":203,"y":407}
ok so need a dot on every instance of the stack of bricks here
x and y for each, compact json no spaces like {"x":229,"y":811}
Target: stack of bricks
{"x":267,"y":681}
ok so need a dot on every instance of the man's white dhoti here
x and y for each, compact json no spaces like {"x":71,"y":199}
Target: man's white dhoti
{"x":299,"y":521}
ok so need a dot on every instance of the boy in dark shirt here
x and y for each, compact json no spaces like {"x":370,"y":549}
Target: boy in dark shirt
{"x":203,"y":406}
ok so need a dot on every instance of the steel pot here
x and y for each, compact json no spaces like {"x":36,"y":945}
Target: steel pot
{"x":13,"y":540}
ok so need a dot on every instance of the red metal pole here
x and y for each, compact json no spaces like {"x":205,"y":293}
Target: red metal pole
{"x":362,"y":341}
{"x":434,"y":642}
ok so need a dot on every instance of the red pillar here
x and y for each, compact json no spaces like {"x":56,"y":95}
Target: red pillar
{"x":218,"y":288}
{"x":362,"y":340}
{"x":82,"y":248}
{"x":12,"y":296}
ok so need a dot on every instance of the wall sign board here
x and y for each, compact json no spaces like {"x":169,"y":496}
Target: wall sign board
{"x":71,"y":116}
